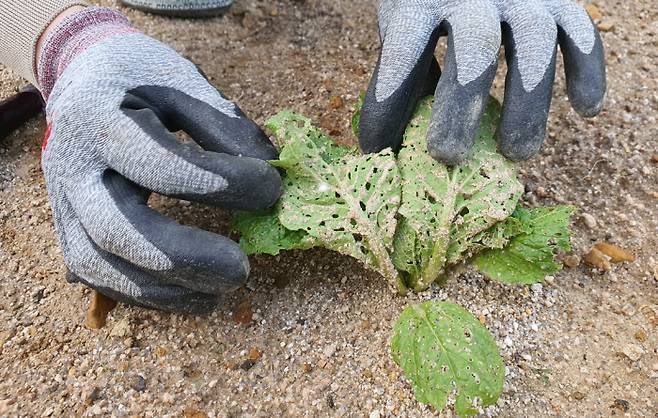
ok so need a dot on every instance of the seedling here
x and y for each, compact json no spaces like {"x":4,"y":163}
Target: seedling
{"x":410,"y":218}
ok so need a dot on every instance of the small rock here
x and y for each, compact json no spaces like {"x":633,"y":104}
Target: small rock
{"x":616,"y":254}
{"x":93,"y":396}
{"x":605,"y":26}
{"x":336,"y":102}
{"x":307,"y":368}
{"x":242,"y":314}
{"x":6,"y":336}
{"x":194,"y":413}
{"x":537,"y":288}
{"x":374,"y":414}
{"x":122,"y":329}
{"x":247,"y":364}
{"x":578,"y":395}
{"x":330,"y":124}
{"x":541,"y":192}
{"x":628,"y":310}
{"x":633,"y":352}
{"x":589,"y":220}
{"x":594,"y":12}
{"x":641,"y":336}
{"x":322,"y":364}
{"x":328,"y":83}
{"x":329,"y":350}
{"x":572,"y":260}
{"x":551,"y":279}
{"x":331,"y":402}
{"x":620,"y":404}
{"x":138,"y":383}
{"x":160,"y":351}
{"x":596,"y":258}
{"x":38,"y":294}
{"x":254,"y":354}
{"x":482,"y":319}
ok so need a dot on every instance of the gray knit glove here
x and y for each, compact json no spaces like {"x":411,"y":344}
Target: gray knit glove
{"x":530,"y":30}
{"x":117,"y":97}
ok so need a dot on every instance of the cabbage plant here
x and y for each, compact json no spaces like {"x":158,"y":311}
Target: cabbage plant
{"x":411,"y":218}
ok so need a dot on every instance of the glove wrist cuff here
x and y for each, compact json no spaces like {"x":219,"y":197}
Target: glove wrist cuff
{"x":74,"y":35}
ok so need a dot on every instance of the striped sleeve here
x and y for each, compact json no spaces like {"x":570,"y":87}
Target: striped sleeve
{"x":21,"y":24}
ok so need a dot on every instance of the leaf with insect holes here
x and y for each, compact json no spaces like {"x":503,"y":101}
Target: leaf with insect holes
{"x":345,"y":200}
{"x":446,"y":211}
{"x":442,"y":349}
{"x":530,"y":255}
{"x":407,"y":217}
{"x":261,"y":232}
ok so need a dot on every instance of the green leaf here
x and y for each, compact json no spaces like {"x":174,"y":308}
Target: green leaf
{"x":530,"y":255}
{"x":445,"y":209}
{"x":300,"y":141}
{"x":356,"y":117}
{"x":489,"y":190}
{"x":442,"y":349}
{"x":424,"y":231}
{"x":263,"y":233}
{"x":498,"y":236}
{"x":346,"y":201}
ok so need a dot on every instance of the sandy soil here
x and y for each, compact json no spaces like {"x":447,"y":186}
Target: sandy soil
{"x":584,"y":344}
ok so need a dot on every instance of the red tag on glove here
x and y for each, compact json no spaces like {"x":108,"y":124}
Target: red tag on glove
{"x":46,"y":136}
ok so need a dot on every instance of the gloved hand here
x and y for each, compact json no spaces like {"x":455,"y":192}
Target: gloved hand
{"x":117,"y":96}
{"x":530,"y":30}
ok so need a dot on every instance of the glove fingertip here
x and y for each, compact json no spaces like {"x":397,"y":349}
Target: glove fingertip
{"x":585,"y":74}
{"x":260,"y":190}
{"x":586,"y":99}
{"x":377,"y":128}
{"x":518,"y":146}
{"x":446,"y":151}
{"x":260,"y":145}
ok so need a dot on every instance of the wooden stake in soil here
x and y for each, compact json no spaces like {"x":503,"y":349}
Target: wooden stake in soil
{"x":99,"y":308}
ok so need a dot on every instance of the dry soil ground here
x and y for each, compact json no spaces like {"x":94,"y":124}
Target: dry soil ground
{"x":584,"y":344}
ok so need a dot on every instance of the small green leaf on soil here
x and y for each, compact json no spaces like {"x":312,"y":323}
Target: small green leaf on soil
{"x":445,"y":351}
